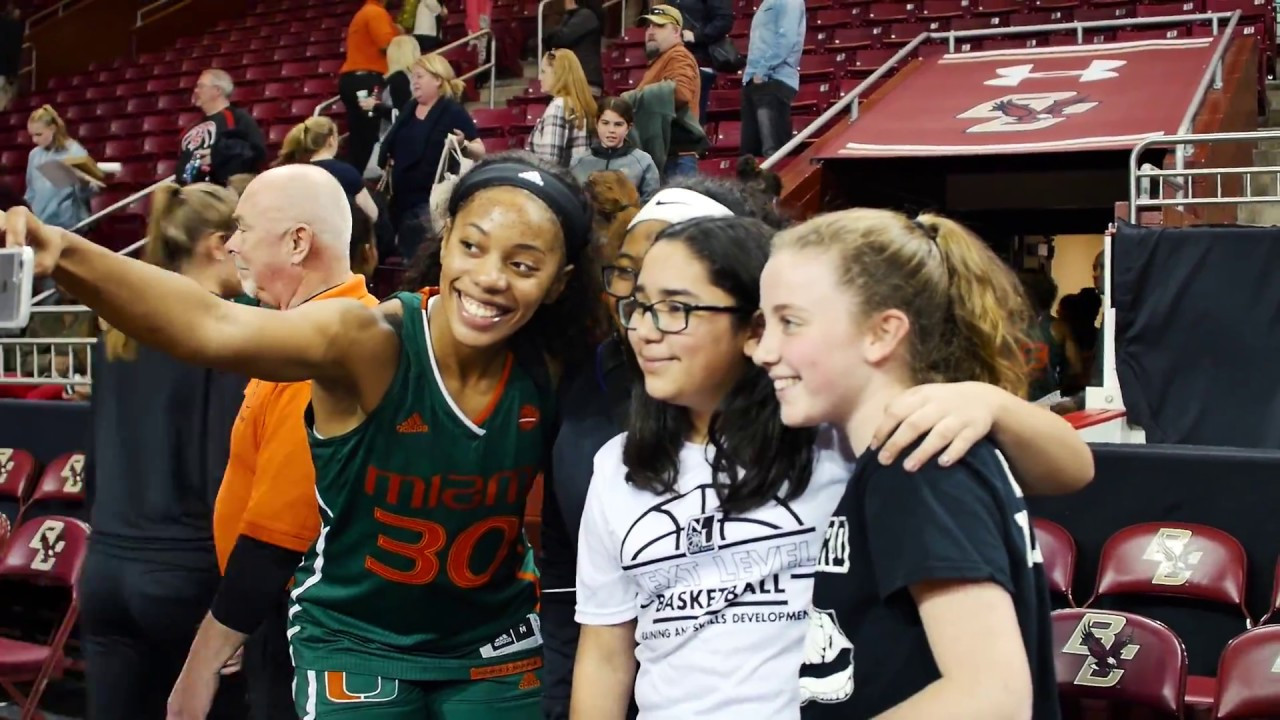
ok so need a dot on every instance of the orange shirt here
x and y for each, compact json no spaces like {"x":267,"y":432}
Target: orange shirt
{"x":269,"y":488}
{"x":368,"y":36}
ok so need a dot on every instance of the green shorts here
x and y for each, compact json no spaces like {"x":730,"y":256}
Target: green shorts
{"x":320,"y":695}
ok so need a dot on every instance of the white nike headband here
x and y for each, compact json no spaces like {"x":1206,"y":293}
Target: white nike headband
{"x":677,"y":205}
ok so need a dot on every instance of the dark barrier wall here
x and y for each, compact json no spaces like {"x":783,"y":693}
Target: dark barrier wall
{"x":1234,"y":490}
{"x":45,"y":429}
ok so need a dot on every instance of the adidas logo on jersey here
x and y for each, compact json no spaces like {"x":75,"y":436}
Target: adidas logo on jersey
{"x":529,"y":681}
{"x":413,"y":425}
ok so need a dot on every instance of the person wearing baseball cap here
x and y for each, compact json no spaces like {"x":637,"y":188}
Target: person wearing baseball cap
{"x":669,"y":59}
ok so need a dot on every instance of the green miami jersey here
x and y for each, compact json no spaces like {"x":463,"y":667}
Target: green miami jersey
{"x":421,"y":570}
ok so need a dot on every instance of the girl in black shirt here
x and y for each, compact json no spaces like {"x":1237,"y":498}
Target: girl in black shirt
{"x":929,"y":597}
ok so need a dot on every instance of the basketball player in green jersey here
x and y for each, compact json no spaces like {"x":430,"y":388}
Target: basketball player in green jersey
{"x":428,"y":418}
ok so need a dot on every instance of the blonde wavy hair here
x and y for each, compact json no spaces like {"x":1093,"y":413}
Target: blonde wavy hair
{"x":450,"y":86}
{"x":569,"y":83}
{"x":967,"y":310}
{"x":402,"y":53}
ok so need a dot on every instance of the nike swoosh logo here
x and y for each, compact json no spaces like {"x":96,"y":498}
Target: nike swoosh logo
{"x":669,"y":202}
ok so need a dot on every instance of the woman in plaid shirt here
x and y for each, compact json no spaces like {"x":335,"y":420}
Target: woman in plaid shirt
{"x":563,"y":133}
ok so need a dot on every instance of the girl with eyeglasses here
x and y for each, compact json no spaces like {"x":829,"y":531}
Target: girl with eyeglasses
{"x":704,"y":521}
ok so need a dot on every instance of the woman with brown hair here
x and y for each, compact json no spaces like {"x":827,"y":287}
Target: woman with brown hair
{"x":315,"y":141}
{"x":563,"y":133}
{"x":62,"y":207}
{"x":161,"y":433}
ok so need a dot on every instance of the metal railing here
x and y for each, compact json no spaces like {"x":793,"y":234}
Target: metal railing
{"x":542,"y":6}
{"x":157,"y":10}
{"x":33,"y":361}
{"x":127,"y":201}
{"x":1182,"y":178}
{"x":491,"y":66}
{"x":53,"y":11}
{"x":1212,"y":75}
{"x":29,"y":69}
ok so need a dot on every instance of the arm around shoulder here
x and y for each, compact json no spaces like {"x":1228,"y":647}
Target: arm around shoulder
{"x":1047,"y":454}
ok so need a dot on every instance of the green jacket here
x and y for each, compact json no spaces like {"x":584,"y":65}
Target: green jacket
{"x":660,"y":130}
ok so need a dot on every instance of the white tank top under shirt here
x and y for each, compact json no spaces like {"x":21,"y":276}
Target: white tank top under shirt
{"x":721,"y":603}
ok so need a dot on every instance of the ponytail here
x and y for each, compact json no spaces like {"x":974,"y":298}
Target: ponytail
{"x":48,"y":117}
{"x":987,"y":304}
{"x":180,"y":219}
{"x":305,"y":140}
{"x":967,"y":311}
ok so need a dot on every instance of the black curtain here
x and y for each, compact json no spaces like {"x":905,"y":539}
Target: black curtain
{"x":1198,"y":333}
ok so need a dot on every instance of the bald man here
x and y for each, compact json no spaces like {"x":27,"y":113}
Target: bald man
{"x":291,"y":246}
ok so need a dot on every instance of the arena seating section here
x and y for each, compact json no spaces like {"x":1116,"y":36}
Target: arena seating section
{"x":285,"y":57}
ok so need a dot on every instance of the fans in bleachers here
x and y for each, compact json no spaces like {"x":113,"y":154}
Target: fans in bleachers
{"x":363,"y":75}
{"x":59,"y":206}
{"x":563,"y":133}
{"x":704,"y":23}
{"x":580,"y":32}
{"x":772,"y":76}
{"x":612,"y":149}
{"x":161,"y":431}
{"x":670,"y":60}
{"x":226,"y":142}
{"x":932,"y":600}
{"x":402,"y":53}
{"x":414,"y":144}
{"x":315,"y":140}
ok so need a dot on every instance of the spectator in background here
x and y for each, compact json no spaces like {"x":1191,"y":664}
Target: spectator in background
{"x":707,"y":22}
{"x":62,"y":207}
{"x":364,"y":248}
{"x":670,"y":60}
{"x":161,"y":438}
{"x":428,"y":22}
{"x":363,"y":75}
{"x":1047,"y":349}
{"x":12,"y":31}
{"x":315,"y":141}
{"x":772,"y":75}
{"x":613,"y":150}
{"x":225,"y":142}
{"x":402,"y":53}
{"x":563,"y":133}
{"x":580,"y":32}
{"x":416,"y":141}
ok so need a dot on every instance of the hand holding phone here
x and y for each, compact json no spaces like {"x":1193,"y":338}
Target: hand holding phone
{"x":20,"y":227}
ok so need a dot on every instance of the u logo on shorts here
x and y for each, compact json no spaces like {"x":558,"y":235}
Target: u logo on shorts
{"x":340,"y":687}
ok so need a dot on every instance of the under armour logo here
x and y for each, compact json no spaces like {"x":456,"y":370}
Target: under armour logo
{"x":1097,"y":70}
{"x":532,"y":176}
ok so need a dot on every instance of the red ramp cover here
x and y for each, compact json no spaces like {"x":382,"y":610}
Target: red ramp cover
{"x":1034,"y":100}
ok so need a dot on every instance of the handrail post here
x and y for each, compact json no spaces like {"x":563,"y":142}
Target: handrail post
{"x":493,"y":69}
{"x":541,"y":6}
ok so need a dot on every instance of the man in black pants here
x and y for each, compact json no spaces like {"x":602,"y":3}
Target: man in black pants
{"x":363,"y":75}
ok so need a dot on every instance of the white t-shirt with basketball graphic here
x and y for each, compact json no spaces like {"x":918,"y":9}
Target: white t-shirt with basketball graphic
{"x":721,"y":603}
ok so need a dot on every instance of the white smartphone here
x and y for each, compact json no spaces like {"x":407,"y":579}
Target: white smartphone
{"x":17,"y":265}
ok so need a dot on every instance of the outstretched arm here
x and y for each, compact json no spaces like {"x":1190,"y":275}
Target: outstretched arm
{"x":326,"y":341}
{"x":1047,"y":454}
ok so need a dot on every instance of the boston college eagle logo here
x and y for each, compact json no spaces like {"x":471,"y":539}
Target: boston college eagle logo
{"x":1099,"y":637}
{"x":1170,"y":548}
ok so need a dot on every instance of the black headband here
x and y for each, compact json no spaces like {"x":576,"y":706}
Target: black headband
{"x":567,"y":202}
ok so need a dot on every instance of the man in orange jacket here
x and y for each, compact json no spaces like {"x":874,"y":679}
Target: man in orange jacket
{"x":291,"y":247}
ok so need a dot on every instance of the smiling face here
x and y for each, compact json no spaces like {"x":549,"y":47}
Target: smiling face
{"x":695,"y":368}
{"x":502,"y":259}
{"x":813,"y":346}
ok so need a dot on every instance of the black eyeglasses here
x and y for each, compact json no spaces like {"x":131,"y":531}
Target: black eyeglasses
{"x":668,"y":316}
{"x":619,"y":281}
